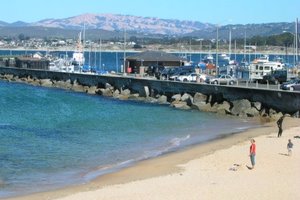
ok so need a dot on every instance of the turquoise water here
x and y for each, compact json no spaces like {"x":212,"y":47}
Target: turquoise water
{"x":52,"y":138}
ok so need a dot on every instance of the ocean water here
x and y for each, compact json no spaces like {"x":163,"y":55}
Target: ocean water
{"x":51,"y":138}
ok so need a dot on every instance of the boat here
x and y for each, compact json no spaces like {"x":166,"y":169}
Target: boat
{"x":263,"y":66}
{"x":78,"y":56}
{"x":64,"y":63}
{"x":208,"y":59}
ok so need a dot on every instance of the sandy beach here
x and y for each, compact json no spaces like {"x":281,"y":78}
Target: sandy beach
{"x":215,"y":170}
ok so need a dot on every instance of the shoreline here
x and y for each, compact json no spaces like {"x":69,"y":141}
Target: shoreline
{"x":168,"y":50}
{"x":164,"y":166}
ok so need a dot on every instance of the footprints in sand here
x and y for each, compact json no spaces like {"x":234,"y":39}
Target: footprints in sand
{"x":235,"y":167}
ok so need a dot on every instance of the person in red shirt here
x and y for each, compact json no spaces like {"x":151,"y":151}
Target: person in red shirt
{"x":252,"y":153}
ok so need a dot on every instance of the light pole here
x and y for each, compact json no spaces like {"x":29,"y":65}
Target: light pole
{"x":124,"y":53}
{"x":217,"y":49}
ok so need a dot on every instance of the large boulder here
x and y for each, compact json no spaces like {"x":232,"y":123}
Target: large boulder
{"x":176,"y":97}
{"x":180,"y":105}
{"x":257,"y":105}
{"x":116,"y":93}
{"x":109,"y":86}
{"x":162,"y":99}
{"x":64,"y":84}
{"x":275,"y":116}
{"x":125,"y":92}
{"x":135,"y":97}
{"x":105,"y":92}
{"x":151,"y":100}
{"x":187,"y":98}
{"x":204,"y":107}
{"x":91,"y":90}
{"x":223,"y":108}
{"x":252,"y":112}
{"x":8,"y":77}
{"x":198,"y":97}
{"x":46,"y":82}
{"x":240,"y":106}
{"x":147,"y":91}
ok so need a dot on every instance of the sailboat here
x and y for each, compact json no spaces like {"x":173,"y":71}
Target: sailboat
{"x":78,"y":55}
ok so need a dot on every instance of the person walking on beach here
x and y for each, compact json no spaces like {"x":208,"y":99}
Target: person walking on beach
{"x":279,"y":124}
{"x":290,"y":147}
{"x":252,"y":153}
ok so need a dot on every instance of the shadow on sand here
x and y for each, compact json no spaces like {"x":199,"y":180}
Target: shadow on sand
{"x":272,"y":136}
{"x":284,"y":154}
{"x":250,"y":168}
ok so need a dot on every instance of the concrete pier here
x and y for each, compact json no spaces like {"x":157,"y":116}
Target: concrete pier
{"x":279,"y":100}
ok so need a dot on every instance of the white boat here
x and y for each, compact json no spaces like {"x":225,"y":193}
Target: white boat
{"x":262,"y":66}
{"x":78,"y":56}
{"x":224,"y":56}
{"x":66,"y":64}
{"x":208,"y":59}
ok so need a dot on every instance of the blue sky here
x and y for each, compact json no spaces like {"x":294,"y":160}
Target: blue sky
{"x":211,"y":11}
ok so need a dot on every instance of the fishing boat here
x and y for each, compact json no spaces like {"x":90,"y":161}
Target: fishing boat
{"x":263,"y":66}
{"x":78,"y":56}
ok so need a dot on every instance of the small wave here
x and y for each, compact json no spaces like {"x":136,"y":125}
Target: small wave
{"x":101,"y":170}
{"x":175,"y":142}
{"x":105,"y":169}
{"x":172,"y":144}
{"x":247,"y":127}
{"x":243,"y":128}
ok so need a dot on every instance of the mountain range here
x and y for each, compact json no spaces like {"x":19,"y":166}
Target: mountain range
{"x":112,"y":25}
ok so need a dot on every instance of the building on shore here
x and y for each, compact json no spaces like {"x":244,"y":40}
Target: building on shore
{"x":27,"y":62}
{"x":32,"y":63}
{"x":151,"y":60}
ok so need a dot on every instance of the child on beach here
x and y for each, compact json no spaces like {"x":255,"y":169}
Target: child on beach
{"x":252,"y":153}
{"x":290,"y":147}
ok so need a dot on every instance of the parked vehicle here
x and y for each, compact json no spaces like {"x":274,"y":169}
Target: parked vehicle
{"x":175,"y":76}
{"x":275,"y":77}
{"x":290,"y":85}
{"x":169,"y":72}
{"x":192,"y":77}
{"x":222,"y":79}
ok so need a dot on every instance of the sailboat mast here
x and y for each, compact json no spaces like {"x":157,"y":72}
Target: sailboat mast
{"x":83,"y":35}
{"x":229,"y":50}
{"x":100,"y":53}
{"x":296,"y":42}
{"x":124,"y":56}
{"x":235,"y":50}
{"x":245,"y":46}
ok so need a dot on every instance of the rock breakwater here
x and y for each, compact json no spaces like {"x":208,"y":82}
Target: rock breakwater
{"x":197,"y":101}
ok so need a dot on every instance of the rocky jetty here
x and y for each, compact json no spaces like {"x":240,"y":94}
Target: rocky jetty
{"x":198,"y":101}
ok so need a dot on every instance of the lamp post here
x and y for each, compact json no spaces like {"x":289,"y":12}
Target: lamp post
{"x":217,"y":49}
{"x":124,"y":53}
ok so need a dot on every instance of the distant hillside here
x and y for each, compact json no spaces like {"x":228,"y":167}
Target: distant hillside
{"x":112,"y":22}
{"x":45,"y":32}
{"x":111,"y":26}
{"x":239,"y":31}
{"x":2,"y":23}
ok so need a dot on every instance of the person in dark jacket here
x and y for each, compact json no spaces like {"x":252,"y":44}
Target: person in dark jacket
{"x":279,"y":124}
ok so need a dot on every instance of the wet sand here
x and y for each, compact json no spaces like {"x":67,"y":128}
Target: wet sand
{"x":214,"y":170}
